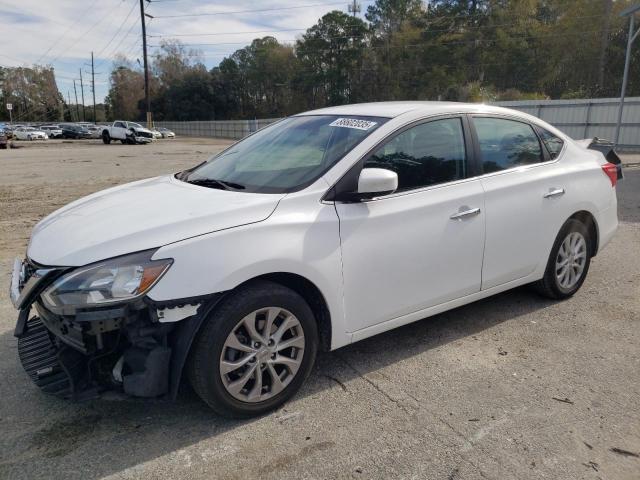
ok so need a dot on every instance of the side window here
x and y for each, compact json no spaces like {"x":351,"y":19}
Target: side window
{"x":506,"y":143}
{"x":427,"y":154}
{"x":554,"y":144}
{"x":120,"y":125}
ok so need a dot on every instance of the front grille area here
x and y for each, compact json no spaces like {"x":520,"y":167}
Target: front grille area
{"x":39,"y":357}
{"x":144,"y":134}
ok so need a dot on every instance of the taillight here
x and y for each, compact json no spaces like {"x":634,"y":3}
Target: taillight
{"x":611,"y":171}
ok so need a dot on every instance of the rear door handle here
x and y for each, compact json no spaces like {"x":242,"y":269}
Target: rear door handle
{"x":554,"y":192}
{"x":465,"y":213}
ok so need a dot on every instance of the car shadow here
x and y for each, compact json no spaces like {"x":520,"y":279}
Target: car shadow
{"x":55,"y":438}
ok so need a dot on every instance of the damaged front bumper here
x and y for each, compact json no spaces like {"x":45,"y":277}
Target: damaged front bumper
{"x":137,"y":348}
{"x":142,"y":140}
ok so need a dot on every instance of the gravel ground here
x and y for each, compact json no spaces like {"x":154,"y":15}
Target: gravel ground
{"x":512,"y":387}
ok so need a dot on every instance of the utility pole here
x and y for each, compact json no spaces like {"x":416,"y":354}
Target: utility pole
{"x":84,"y":118}
{"x":146,"y":67}
{"x":93,"y":89}
{"x":628,"y":12}
{"x":354,"y":8}
{"x":69,"y":106}
{"x":76,"y":94}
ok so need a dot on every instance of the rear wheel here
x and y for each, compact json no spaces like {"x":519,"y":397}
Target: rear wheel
{"x":254,"y":351}
{"x":568,"y":262}
{"x":106,"y":138}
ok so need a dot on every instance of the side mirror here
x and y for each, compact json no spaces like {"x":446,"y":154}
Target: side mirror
{"x":374,"y":182}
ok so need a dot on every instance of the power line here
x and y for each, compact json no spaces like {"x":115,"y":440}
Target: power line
{"x":226,"y":33}
{"x":396,"y":35}
{"x":115,"y":49}
{"x":293,"y":7}
{"x":77,"y":39}
{"x":133,"y":6}
{"x":413,"y":45}
{"x":81,"y":17}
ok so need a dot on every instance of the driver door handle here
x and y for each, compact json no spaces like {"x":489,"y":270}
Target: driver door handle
{"x":465,"y":213}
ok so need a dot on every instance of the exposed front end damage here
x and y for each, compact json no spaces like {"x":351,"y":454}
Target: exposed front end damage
{"x":137,"y":348}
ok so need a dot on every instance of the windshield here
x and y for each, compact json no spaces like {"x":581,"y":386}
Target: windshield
{"x":135,"y":125}
{"x":286,"y":156}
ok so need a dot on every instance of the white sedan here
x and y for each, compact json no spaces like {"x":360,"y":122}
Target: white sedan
{"x":30,"y":133}
{"x":315,"y":232}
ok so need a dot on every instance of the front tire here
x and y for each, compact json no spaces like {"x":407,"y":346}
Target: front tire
{"x":568,"y":262}
{"x":254,"y":351}
{"x":106,"y":138}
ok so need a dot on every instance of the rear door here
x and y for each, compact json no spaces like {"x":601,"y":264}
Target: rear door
{"x":422,"y":245}
{"x":524,"y":198}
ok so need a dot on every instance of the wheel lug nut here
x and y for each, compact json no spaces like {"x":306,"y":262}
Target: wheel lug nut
{"x":273,"y":356}
{"x":270,"y":343}
{"x":256,"y":345}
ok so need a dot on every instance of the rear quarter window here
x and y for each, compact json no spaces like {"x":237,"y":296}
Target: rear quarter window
{"x":553,"y":143}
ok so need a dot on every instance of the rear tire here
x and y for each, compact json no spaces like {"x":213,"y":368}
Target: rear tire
{"x":106,"y":138}
{"x":568,"y":262}
{"x":237,"y":391}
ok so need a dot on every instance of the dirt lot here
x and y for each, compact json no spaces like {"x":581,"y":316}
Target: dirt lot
{"x":513,"y":387}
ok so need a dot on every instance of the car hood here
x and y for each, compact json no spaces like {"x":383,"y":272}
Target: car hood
{"x":139,"y":216}
{"x":142,"y":130}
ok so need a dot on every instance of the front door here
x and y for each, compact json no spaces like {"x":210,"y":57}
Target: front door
{"x":422,"y":245}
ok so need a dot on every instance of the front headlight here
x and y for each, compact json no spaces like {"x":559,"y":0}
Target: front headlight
{"x":116,"y":280}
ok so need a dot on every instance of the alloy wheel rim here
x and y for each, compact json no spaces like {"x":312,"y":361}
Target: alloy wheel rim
{"x":571,"y":260}
{"x":262,"y":354}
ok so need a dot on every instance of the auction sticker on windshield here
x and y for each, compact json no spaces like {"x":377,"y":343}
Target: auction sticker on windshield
{"x":353,"y":123}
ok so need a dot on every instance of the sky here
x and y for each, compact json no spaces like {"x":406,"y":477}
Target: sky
{"x":63,"y":33}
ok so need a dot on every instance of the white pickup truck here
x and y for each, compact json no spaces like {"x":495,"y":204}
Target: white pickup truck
{"x":127,"y":132}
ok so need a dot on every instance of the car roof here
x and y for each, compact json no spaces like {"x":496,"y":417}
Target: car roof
{"x":395,"y":109}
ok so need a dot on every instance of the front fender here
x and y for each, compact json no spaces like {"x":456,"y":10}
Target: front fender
{"x":304,"y":243}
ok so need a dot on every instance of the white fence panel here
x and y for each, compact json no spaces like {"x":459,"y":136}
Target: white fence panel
{"x":580,"y":118}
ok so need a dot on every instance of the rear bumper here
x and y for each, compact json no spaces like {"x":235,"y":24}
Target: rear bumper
{"x":607,"y":225}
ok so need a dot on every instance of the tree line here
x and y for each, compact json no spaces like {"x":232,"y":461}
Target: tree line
{"x":472,"y":50}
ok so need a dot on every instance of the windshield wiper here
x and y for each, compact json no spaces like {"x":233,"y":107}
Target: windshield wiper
{"x":212,"y":183}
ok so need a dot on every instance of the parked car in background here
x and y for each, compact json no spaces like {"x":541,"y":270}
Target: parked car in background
{"x":76,"y":132}
{"x":30,"y":133}
{"x":54,"y":131}
{"x":127,"y":132}
{"x":166,"y":133}
{"x":4,"y":141}
{"x":156,"y":134}
{"x":13,"y":128}
{"x":315,"y":232}
{"x":95,"y":131}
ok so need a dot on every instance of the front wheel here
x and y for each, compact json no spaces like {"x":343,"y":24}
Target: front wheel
{"x":106,"y":138}
{"x":254,"y":351}
{"x":568,"y":262}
